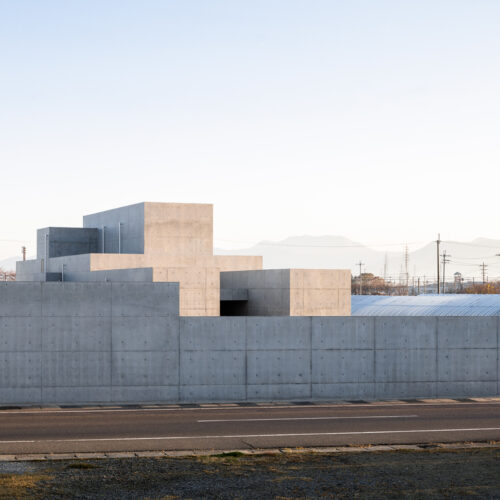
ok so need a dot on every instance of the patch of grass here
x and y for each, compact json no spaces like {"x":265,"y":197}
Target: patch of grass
{"x":280,"y":479}
{"x":82,"y":465}
{"x":14,"y":486}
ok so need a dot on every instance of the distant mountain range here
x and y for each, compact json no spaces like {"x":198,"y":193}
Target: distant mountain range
{"x":337,"y":252}
{"x":330,"y":252}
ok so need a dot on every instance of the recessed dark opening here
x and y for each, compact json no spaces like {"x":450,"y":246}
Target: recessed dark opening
{"x":233,"y":307}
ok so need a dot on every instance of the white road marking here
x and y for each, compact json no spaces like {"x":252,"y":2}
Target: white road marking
{"x":169,"y":438}
{"x":244,"y":408}
{"x":306,"y":418}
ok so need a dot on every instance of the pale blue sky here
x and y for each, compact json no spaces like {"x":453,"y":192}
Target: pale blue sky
{"x":376,"y":120}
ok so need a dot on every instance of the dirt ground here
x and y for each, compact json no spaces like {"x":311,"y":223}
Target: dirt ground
{"x":432,"y":473}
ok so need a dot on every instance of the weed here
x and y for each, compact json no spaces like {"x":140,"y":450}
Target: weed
{"x":82,"y":465}
{"x":17,"y":486}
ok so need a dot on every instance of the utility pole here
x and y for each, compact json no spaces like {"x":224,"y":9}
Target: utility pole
{"x":438,"y":242}
{"x":407,"y":273}
{"x":483,"y":267}
{"x":385,"y":267}
{"x":360,"y":264}
{"x":23,"y":250}
{"x":445,"y":261}
{"x":418,"y":286}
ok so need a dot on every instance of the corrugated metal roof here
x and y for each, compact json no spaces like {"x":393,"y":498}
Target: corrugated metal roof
{"x":426,"y":305}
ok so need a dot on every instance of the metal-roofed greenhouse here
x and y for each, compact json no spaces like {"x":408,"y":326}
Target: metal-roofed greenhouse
{"x":426,"y":305}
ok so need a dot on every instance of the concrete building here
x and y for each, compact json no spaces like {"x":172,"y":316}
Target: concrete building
{"x":108,"y":328}
{"x":173,"y":242}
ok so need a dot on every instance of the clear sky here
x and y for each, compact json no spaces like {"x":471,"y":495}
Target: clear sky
{"x":375,"y":120}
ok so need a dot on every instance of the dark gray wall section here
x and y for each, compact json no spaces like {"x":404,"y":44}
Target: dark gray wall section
{"x":76,"y":269}
{"x":125,"y":343}
{"x":64,"y":241}
{"x":132,"y":228}
{"x":268,"y":291}
{"x":140,"y":274}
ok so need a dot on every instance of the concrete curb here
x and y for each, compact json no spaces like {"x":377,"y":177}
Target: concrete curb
{"x":262,"y":451}
{"x":254,"y":404}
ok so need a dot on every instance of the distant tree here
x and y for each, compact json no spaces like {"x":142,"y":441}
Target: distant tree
{"x":370,"y":285}
{"x":7,"y":275}
{"x":492,"y":287}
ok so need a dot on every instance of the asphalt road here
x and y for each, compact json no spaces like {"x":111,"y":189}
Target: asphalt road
{"x":75,"y":430}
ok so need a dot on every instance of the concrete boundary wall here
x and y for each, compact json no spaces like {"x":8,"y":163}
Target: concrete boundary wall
{"x":338,"y":358}
{"x":125,"y":343}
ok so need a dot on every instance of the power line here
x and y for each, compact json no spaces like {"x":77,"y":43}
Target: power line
{"x":360,"y":264}
{"x":445,"y":261}
{"x":438,"y":242}
{"x":355,"y":245}
{"x":470,"y":244}
{"x":483,"y":267}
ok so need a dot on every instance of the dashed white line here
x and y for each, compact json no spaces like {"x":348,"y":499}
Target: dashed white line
{"x":305,"y":418}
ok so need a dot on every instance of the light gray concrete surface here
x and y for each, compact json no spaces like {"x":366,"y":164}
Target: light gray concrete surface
{"x":76,"y":343}
{"x":124,"y":223}
{"x":36,"y":270}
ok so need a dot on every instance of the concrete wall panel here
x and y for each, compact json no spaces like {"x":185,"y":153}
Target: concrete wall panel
{"x":61,"y":241}
{"x":278,"y":333}
{"x":461,"y":365}
{"x":20,"y":299}
{"x":225,"y":333}
{"x":467,"y":389}
{"x":466,"y":332}
{"x":160,"y":333}
{"x":225,"y":392}
{"x":405,"y":332}
{"x":20,"y":395}
{"x":212,"y":367}
{"x":76,"y":333}
{"x":20,"y":334}
{"x":20,"y":369}
{"x":119,"y":275}
{"x":75,"y":395}
{"x":405,"y":365}
{"x":76,"y":299}
{"x":278,"y":367}
{"x":330,"y":367}
{"x":145,"y":368}
{"x":344,"y":391}
{"x":270,"y":392}
{"x":145,"y":394}
{"x":403,"y":390}
{"x":76,"y":369}
{"x":131,"y":231}
{"x":145,"y":299}
{"x":343,"y":333}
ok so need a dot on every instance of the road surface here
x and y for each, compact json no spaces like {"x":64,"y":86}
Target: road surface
{"x":226,"y":427}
